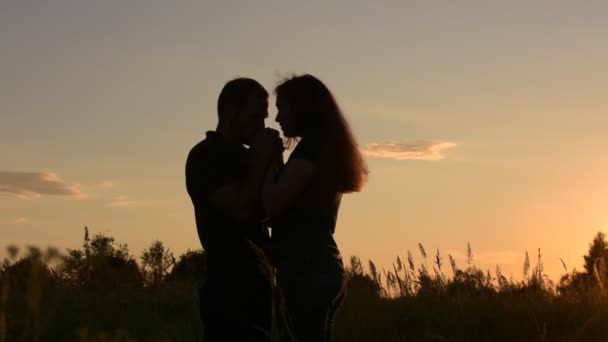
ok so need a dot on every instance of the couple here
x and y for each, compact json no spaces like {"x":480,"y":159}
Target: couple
{"x":239,"y":193}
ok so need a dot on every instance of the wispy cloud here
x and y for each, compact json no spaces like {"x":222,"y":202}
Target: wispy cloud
{"x":17,"y":221}
{"x":126,"y":202}
{"x":106,"y":184}
{"x":417,"y":150}
{"x":123,"y":202}
{"x":100,"y":189}
{"x":21,"y":220}
{"x":28,"y":185}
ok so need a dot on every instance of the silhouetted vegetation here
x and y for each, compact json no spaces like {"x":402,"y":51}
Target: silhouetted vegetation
{"x":101,"y":293}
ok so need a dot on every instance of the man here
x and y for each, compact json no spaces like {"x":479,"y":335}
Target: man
{"x":224,"y":179}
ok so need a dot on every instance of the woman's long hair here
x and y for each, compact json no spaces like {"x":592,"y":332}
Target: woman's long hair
{"x":318,"y":118}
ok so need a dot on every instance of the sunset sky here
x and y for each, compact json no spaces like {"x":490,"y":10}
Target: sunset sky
{"x":483,"y":121}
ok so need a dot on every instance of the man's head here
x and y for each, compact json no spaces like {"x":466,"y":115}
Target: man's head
{"x":242,"y":108}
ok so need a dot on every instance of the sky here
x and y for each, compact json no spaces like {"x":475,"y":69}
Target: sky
{"x":483,"y":122}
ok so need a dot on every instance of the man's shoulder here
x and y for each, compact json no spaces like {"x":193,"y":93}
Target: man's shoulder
{"x":203,"y":158}
{"x":205,"y":147}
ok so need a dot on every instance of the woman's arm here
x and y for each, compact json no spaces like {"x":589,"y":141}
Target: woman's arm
{"x":279,"y":194}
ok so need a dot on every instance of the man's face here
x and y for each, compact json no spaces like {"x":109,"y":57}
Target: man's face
{"x":250,"y":119}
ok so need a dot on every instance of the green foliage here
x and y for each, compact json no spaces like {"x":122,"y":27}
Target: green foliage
{"x":594,"y":279}
{"x":189,"y":269}
{"x":27,"y":281}
{"x":598,"y":249}
{"x":156,"y":261}
{"x":101,"y":265}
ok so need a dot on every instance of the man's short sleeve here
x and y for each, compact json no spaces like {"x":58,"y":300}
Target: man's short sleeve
{"x":203,"y":172}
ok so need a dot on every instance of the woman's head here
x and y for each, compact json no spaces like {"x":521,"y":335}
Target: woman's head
{"x":308,"y":110}
{"x":306,"y":107}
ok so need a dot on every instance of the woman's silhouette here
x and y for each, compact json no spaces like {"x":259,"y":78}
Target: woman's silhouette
{"x":302,"y":199}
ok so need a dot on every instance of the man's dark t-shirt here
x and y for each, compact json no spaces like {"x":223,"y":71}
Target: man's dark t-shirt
{"x":213,"y":163}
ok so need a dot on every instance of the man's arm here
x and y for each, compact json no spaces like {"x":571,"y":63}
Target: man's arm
{"x":241,"y":201}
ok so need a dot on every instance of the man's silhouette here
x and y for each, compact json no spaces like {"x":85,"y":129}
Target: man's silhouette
{"x":224,"y":179}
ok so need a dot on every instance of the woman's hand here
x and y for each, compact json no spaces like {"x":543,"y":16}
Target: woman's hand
{"x":267,"y":147}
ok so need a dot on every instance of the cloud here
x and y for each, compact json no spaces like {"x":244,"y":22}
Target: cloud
{"x":106,"y":184}
{"x":17,"y":221}
{"x":29,"y":185}
{"x":20,"y":220}
{"x":99,"y":189}
{"x":417,"y":150}
{"x":122,"y":201}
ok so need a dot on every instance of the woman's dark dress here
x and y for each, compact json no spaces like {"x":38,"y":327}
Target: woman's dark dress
{"x":309,"y":266}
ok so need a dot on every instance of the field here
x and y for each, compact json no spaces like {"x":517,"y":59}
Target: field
{"x":100,"y":293}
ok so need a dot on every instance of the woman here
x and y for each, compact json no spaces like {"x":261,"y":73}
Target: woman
{"x":302,"y":199}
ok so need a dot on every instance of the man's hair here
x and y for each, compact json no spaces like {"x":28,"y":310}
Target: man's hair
{"x":236,"y":93}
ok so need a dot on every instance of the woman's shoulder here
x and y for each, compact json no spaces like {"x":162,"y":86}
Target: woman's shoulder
{"x":307,"y":149}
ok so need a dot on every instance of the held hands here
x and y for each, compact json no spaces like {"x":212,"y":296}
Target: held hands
{"x":267,"y":147}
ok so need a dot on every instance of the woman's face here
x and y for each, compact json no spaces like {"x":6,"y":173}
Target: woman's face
{"x":285,"y":118}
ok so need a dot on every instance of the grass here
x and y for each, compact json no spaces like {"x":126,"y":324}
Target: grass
{"x":129,"y":314}
{"x":490,"y":317}
{"x":408,"y":303}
